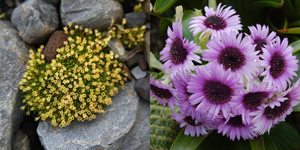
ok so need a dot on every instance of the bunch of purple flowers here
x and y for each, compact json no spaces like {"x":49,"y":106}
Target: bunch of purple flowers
{"x":243,"y":90}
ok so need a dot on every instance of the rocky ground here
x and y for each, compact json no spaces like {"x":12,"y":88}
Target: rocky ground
{"x":27,"y":25}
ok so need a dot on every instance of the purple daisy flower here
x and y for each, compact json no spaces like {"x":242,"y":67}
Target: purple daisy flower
{"x":163,"y":93}
{"x":234,"y":54}
{"x":181,"y":83}
{"x":249,"y":101}
{"x":281,"y":65}
{"x":219,"y":21}
{"x":178,"y":52}
{"x":270,"y":114}
{"x":234,"y":127}
{"x":260,"y":37}
{"x":212,"y":89}
{"x":193,"y":126}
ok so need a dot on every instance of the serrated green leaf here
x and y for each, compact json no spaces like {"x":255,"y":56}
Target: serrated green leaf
{"x":161,"y":6}
{"x":183,"y":142}
{"x":285,"y":136}
{"x":290,"y":31}
{"x":187,"y":15}
{"x":257,"y":143}
{"x":154,"y":63}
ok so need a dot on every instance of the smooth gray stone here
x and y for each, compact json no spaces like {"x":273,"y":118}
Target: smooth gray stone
{"x":35,"y":21}
{"x":95,"y":14}
{"x":138,"y":138}
{"x":135,"y":19}
{"x":14,"y":55}
{"x":99,"y":133}
{"x":142,"y":88}
{"x":138,"y":73}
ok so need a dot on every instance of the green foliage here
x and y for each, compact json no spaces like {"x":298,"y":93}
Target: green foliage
{"x":75,"y":85}
{"x":163,"y":129}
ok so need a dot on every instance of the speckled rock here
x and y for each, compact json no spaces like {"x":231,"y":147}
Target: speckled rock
{"x":99,"y":133}
{"x":93,"y":14}
{"x":14,"y":57}
{"x":35,"y":20}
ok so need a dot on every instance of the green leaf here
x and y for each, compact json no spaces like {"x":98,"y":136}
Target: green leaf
{"x":154,"y":63}
{"x":285,"y":136}
{"x":269,"y":144}
{"x":296,"y":46}
{"x":164,"y":24}
{"x":213,"y":4}
{"x":187,"y":15}
{"x":197,"y":38}
{"x":257,"y":143}
{"x":296,"y":108}
{"x":183,"y":142}
{"x":205,"y":39}
{"x":289,"y":10}
{"x":290,"y":31}
{"x":161,"y":6}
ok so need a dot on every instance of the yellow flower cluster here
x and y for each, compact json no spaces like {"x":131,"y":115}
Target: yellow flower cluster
{"x":138,"y":8}
{"x":132,"y":37}
{"x":75,"y":85}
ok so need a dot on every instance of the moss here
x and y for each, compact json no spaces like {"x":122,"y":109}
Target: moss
{"x":78,"y":83}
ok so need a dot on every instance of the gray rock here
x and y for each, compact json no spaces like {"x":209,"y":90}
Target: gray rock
{"x":14,"y":57}
{"x":138,"y":73}
{"x":53,"y":2}
{"x":35,"y":20}
{"x":117,"y":47}
{"x":93,"y":14}
{"x":142,"y":88}
{"x":135,"y":19}
{"x":147,"y":46}
{"x":98,"y":133}
{"x":138,"y":138}
{"x":21,"y":141}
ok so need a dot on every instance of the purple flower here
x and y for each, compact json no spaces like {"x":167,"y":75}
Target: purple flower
{"x":213,"y":89}
{"x":281,"y":65}
{"x":269,"y":114}
{"x":193,"y":126}
{"x":181,"y":83}
{"x":260,"y":37}
{"x":219,"y":21}
{"x":163,"y":93}
{"x":247,"y":102}
{"x":234,"y":54}
{"x":178,"y":52}
{"x":234,"y":127}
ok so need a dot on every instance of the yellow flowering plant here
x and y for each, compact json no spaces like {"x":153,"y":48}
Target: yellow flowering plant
{"x":80,"y":81}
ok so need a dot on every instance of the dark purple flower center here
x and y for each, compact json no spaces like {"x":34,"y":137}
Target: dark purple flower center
{"x":160,"y":92}
{"x":278,"y":65}
{"x":178,"y":53}
{"x":253,"y":100}
{"x":191,"y":121}
{"x":231,"y":57}
{"x":215,"y":22}
{"x":259,"y":44}
{"x":217,"y":92}
{"x":236,"y":121}
{"x":278,"y":111}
